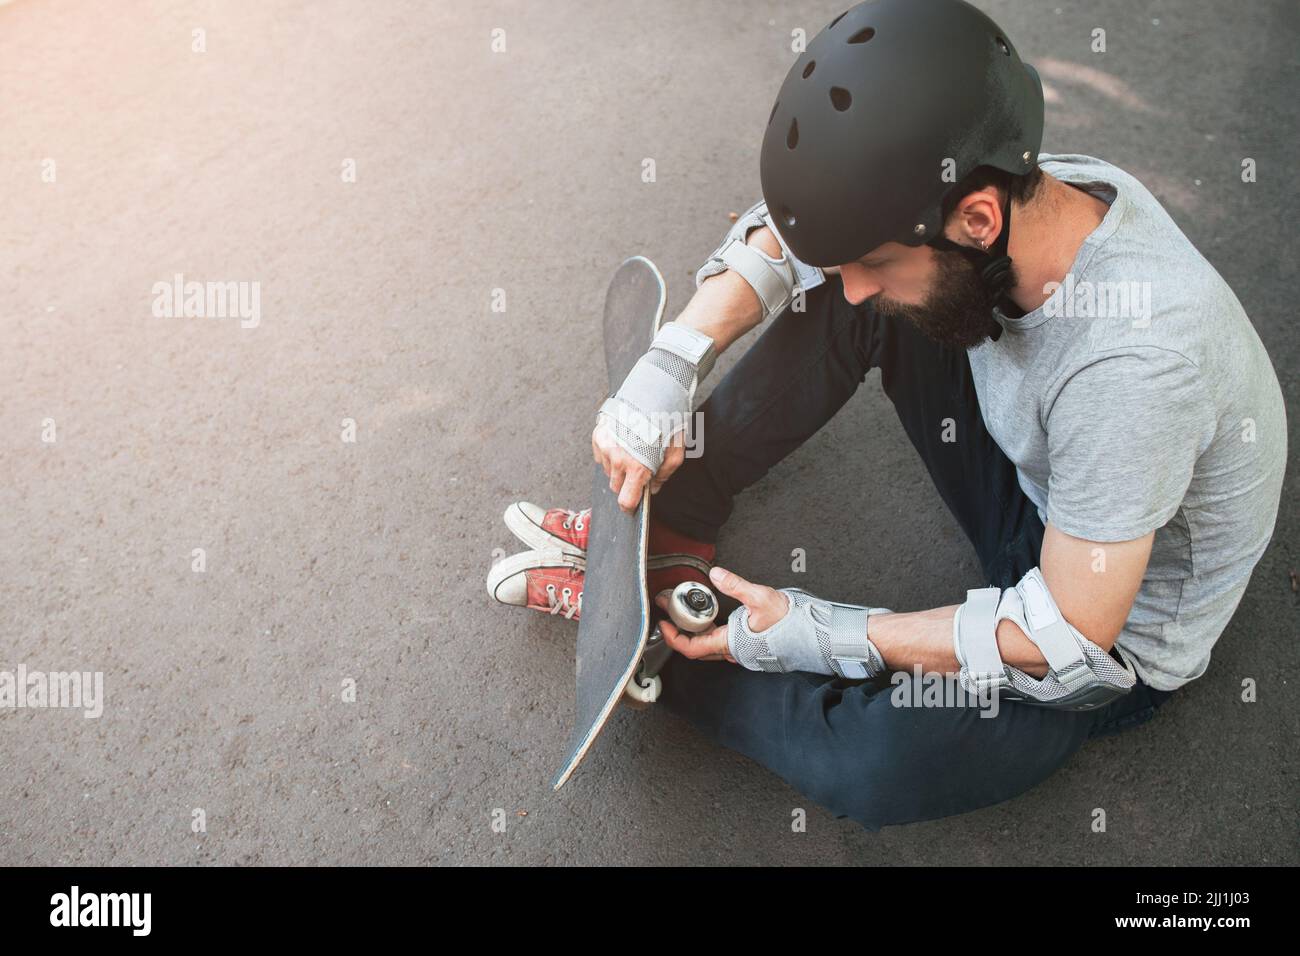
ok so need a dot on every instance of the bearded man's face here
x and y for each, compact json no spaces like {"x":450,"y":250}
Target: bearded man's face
{"x":956,"y":311}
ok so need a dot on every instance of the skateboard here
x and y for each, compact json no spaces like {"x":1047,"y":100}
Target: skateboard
{"x":615,"y":623}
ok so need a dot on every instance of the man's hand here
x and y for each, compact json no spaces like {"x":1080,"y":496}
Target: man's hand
{"x":724,"y":308}
{"x":766,"y":607}
{"x":627,"y":476}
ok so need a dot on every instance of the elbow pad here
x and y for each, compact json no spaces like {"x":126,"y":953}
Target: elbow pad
{"x":774,"y":281}
{"x":820,"y":637}
{"x":1081,"y":675}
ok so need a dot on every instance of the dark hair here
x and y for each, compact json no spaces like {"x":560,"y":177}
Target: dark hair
{"x":1020,"y":189}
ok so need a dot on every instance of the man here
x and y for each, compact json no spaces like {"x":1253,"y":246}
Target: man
{"x":1086,"y":392}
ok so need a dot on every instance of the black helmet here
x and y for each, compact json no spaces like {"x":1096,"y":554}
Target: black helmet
{"x":854,"y":151}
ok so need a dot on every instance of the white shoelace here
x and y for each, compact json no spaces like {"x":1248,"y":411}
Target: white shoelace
{"x":562,"y":603}
{"x":580,"y":515}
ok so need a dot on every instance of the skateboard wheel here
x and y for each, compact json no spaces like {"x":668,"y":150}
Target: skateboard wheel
{"x":644,"y":691}
{"x":692,"y":607}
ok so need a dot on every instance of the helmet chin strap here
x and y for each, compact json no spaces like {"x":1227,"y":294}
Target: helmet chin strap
{"x":994,"y":265}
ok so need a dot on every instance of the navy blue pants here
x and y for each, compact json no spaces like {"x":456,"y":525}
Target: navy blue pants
{"x":842,"y":743}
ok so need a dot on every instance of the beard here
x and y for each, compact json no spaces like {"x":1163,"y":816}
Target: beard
{"x":957,"y":311}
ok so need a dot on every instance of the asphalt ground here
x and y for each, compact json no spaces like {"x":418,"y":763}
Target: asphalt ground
{"x":379,"y":172}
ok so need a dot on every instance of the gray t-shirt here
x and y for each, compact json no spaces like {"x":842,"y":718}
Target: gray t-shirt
{"x":1139,"y":397}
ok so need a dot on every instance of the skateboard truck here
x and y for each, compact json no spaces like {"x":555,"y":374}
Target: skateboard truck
{"x":693,"y":608}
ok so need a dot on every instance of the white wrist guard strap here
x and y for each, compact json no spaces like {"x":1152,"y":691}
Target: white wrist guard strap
{"x":655,"y":401}
{"x":773,"y":280}
{"x":820,"y":637}
{"x":1081,"y":675}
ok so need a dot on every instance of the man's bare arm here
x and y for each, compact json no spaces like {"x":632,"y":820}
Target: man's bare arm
{"x":1094,"y":584}
{"x":725,"y":307}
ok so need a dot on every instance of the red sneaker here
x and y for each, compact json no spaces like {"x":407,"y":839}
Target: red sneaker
{"x":559,"y":529}
{"x":664,"y":541}
{"x":555,"y":530}
{"x":548,"y":581}
{"x":548,"y":577}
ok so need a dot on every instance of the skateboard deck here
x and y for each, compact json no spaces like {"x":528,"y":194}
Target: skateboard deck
{"x":615,"y":621}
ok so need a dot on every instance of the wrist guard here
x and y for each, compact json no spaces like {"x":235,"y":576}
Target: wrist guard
{"x":655,"y":401}
{"x":817,"y":636}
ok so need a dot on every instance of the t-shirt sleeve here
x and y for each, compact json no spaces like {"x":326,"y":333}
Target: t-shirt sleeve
{"x":1123,"y":435}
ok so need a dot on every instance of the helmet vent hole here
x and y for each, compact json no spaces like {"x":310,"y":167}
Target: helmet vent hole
{"x":792,"y":137}
{"x":788,"y":218}
{"x":807,"y":70}
{"x":1002,"y":45}
{"x":863,"y":35}
{"x":840,"y":98}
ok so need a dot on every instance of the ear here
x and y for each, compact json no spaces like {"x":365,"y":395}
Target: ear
{"x":977,"y":220}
